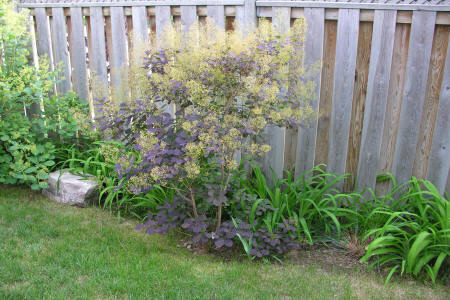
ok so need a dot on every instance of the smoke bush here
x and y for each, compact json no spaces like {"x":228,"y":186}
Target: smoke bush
{"x":206,"y":95}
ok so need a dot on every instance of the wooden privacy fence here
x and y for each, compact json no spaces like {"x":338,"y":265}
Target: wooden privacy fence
{"x":383,"y":93}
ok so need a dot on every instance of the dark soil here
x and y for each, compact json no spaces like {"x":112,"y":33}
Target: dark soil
{"x":327,"y":257}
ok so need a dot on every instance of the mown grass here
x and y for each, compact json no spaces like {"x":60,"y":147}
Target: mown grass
{"x":50,"y":251}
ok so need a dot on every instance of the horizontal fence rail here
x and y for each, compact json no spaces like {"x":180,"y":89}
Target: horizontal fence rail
{"x":382,"y":95}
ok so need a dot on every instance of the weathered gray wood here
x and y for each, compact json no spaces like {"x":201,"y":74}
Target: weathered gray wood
{"x":266,"y":12}
{"x":163,"y":19}
{"x":239,"y":20}
{"x":250,"y":15}
{"x":119,"y":57}
{"x":97,"y":52}
{"x":376,"y":98}
{"x":42,"y":46}
{"x":188,"y":17}
{"x":447,"y":189}
{"x":140,"y":26}
{"x":202,"y":11}
{"x":419,"y":53}
{"x":78,"y":46}
{"x":33,"y":43}
{"x":306,"y":140}
{"x":332,"y":14}
{"x":439,"y":158}
{"x":439,"y":163}
{"x":318,"y":4}
{"x":60,"y":49}
{"x":131,"y":3}
{"x":274,"y":159}
{"x":354,"y":5}
{"x":344,"y":79}
{"x":43,"y":33}
{"x":162,"y":16}
{"x":281,"y":18}
{"x":217,"y":13}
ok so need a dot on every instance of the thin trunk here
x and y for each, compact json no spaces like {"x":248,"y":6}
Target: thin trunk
{"x":219,"y":217}
{"x":194,"y":206}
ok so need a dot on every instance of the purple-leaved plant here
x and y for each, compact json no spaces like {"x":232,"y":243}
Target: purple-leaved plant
{"x":203,"y":98}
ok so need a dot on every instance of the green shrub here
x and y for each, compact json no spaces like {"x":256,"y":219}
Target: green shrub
{"x":211,"y":93}
{"x":32,"y":124}
{"x":25,"y":156}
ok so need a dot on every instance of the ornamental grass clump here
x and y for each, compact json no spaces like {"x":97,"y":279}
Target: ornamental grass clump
{"x":206,"y":95}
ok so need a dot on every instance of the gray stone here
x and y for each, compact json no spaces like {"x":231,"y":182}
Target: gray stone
{"x":72,"y":189}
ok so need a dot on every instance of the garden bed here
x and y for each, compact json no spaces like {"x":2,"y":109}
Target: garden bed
{"x":188,"y":150}
{"x":48,"y":250}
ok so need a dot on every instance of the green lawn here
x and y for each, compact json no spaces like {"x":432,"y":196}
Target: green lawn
{"x":50,"y":251}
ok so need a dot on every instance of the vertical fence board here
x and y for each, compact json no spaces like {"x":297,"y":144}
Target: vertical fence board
{"x":140,"y":29}
{"x":42,"y":45}
{"x":250,"y":15}
{"x":430,"y":108}
{"x":33,"y":41}
{"x":188,"y":17}
{"x":78,"y":53}
{"x":274,"y":159}
{"x":439,"y":164}
{"x":358,"y":102}
{"x":344,"y":79}
{"x":377,"y":93}
{"x":119,"y":50}
{"x":326,"y":92}
{"x":394,"y":103}
{"x":43,"y":33}
{"x":217,"y":13}
{"x":402,"y":126}
{"x":419,"y":53}
{"x":306,"y":139}
{"x":97,"y":52}
{"x":281,"y":17}
{"x":239,"y":19}
{"x":162,"y":17}
{"x":60,"y":49}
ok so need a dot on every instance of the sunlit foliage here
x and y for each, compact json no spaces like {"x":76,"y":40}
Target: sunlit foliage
{"x":202,"y":96}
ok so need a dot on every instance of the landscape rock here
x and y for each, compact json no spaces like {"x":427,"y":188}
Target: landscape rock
{"x":72,"y":189}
